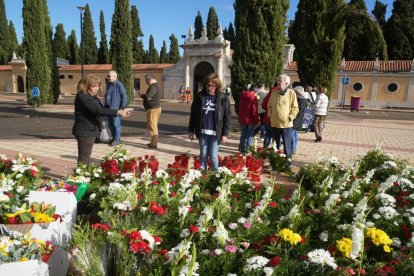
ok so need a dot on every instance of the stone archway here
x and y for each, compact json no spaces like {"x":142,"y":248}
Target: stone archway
{"x":200,"y":72}
{"x":20,"y":84}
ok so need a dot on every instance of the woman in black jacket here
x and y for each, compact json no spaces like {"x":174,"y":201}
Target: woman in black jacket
{"x":210,"y":120}
{"x":88,"y":112}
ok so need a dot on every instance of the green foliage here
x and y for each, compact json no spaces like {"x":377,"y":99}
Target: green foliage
{"x":360,"y":27}
{"x":259,"y":46}
{"x":88,"y":39}
{"x":379,"y":11}
{"x":174,"y":54}
{"x":137,"y":45}
{"x":37,"y":50}
{"x":212,"y":24}
{"x":163,"y":53}
{"x":121,"y":45}
{"x":4,"y":35}
{"x":198,"y":26}
{"x":14,"y":44}
{"x":59,"y":45}
{"x":318,"y":35}
{"x":153,"y":56}
{"x":400,"y":31}
{"x":103,"y":52}
{"x":73,"y":57}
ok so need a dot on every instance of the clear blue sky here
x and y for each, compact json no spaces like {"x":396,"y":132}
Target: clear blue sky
{"x":160,"y":18}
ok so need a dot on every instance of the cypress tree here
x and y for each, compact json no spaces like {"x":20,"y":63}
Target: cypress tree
{"x":37,"y":59}
{"x":103,"y":52}
{"x":400,"y":30}
{"x":379,"y":11}
{"x":60,"y":45}
{"x":88,"y":38}
{"x":14,"y":44}
{"x":4,"y":36}
{"x":174,"y":54}
{"x":358,"y":28}
{"x":231,"y":36}
{"x":212,"y":24}
{"x":137,"y":45}
{"x":260,"y":39}
{"x":153,"y":56}
{"x":74,"y":55}
{"x":198,"y":26}
{"x":163,"y":53}
{"x":318,"y":35}
{"x":120,"y":45}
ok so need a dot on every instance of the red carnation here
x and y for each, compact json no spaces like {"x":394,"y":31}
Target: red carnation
{"x":194,"y":229}
{"x":274,"y":261}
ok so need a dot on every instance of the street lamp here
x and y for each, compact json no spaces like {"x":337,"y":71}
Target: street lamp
{"x":81,"y":9}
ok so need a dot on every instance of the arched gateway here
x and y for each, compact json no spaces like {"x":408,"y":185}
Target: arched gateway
{"x":201,"y":57}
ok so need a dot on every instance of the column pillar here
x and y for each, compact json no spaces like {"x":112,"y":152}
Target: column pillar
{"x":187,"y":72}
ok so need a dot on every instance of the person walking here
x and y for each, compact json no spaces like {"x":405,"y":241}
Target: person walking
{"x":116,"y":98}
{"x":321,"y":107}
{"x":152,"y":105}
{"x":283,"y":108}
{"x":298,"y":121}
{"x":210,"y":120}
{"x":88,"y":112}
{"x":248,"y":117}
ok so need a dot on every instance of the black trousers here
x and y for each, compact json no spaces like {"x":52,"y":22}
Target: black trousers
{"x":85,"y":145}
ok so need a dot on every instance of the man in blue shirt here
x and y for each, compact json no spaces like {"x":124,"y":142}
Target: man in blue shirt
{"x":115,"y":98}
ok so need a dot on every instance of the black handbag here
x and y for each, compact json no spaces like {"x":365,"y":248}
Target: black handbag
{"x":104,"y":136}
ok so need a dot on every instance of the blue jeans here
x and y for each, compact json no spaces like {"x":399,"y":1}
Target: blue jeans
{"x":114,"y":124}
{"x":294,"y":140}
{"x":268,"y":136}
{"x":209,"y":147}
{"x":246,"y":137}
{"x":286,"y":134}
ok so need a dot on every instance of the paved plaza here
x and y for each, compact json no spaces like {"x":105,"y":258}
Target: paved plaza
{"x":343,"y":137}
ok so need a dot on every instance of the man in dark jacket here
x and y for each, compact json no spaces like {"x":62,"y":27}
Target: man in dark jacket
{"x":116,"y":99}
{"x":153,"y":107}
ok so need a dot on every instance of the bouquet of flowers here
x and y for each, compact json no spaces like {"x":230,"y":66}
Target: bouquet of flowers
{"x":35,"y":213}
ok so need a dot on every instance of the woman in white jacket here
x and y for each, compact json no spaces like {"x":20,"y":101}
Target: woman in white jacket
{"x":320,"y":107}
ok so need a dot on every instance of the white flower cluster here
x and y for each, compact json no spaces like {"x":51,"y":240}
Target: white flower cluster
{"x":321,"y":257}
{"x":221,"y":234}
{"x":181,"y":250}
{"x":259,"y":209}
{"x":409,"y":213}
{"x":255,"y":263}
{"x":331,"y":201}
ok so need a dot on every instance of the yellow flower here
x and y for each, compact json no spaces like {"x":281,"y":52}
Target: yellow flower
{"x":379,"y":237}
{"x":23,"y":259}
{"x":40,"y":217}
{"x":344,"y":245}
{"x":289,"y":236}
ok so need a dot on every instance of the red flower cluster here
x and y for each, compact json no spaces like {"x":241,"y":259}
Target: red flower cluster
{"x":157,"y":209}
{"x":180,"y":166}
{"x":234,"y":163}
{"x":137,"y":244}
{"x":407,"y":232}
{"x":149,"y":161}
{"x":254,"y":168}
{"x":274,"y":261}
{"x":129,"y":166}
{"x":99,"y":226}
{"x":110,"y":167}
{"x":194,"y":229}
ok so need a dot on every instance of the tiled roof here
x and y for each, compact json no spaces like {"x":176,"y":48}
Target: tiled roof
{"x":107,"y":67}
{"x":367,"y":66}
{"x":5,"y":67}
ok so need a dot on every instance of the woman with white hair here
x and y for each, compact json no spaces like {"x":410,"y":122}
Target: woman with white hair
{"x":298,"y":121}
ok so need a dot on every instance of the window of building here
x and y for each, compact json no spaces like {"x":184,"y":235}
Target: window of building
{"x":70,"y":77}
{"x":392,"y":87}
{"x":357,"y":86}
{"x":137,"y":85}
{"x":62,"y":77}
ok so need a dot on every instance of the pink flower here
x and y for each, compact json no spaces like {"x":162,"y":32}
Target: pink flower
{"x":245,"y":244}
{"x":247,"y":225}
{"x":231,"y":248}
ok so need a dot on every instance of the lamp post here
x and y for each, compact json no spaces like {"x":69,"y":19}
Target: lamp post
{"x":81,"y":9}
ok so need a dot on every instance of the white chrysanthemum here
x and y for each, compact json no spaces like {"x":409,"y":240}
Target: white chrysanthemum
{"x":405,"y":183}
{"x":127,"y":176}
{"x":205,"y":251}
{"x":92,"y":196}
{"x":224,"y":170}
{"x":388,"y":212}
{"x":388,"y":183}
{"x":123,"y":206}
{"x":241,"y":220}
{"x":321,"y":257}
{"x":233,"y":226}
{"x":114,"y":188}
{"x":389,"y":164}
{"x":324,"y":236}
{"x":256,"y":262}
{"x":386,"y":199}
{"x":396,"y":242}
{"x":161,"y":174}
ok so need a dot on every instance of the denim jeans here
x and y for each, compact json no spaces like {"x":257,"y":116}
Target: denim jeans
{"x":294,"y":140}
{"x":246,"y":137}
{"x":209,"y":147}
{"x":267,"y":137}
{"x":286,"y":134}
{"x":114,"y":124}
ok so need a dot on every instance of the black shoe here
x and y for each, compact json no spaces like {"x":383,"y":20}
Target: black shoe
{"x":115,"y":143}
{"x":151,"y":146}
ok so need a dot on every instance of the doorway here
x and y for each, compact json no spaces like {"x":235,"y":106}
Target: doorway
{"x":200,"y":72}
{"x":20,"y":84}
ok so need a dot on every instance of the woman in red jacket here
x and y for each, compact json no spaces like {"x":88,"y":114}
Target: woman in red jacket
{"x":248,"y":117}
